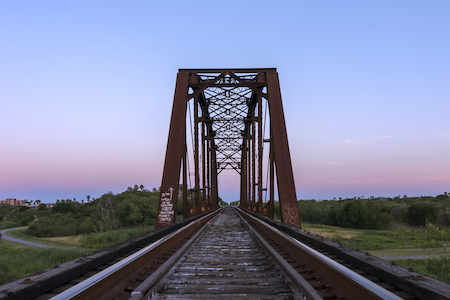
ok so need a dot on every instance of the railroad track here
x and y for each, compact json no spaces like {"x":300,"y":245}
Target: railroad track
{"x":230,"y":254}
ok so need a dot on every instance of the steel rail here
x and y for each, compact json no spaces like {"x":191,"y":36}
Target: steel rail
{"x":152,"y":281}
{"x":304,"y":289}
{"x":361,"y":287}
{"x":80,"y":290}
{"x":213,"y":268}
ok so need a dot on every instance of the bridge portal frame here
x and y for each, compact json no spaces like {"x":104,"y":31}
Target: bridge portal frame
{"x":190,"y":86}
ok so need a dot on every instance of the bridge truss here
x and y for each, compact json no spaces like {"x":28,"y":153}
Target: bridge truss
{"x":234,"y":119}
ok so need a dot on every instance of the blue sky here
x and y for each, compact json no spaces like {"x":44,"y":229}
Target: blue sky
{"x":86,"y":90}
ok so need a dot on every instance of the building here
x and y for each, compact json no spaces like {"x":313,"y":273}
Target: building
{"x":13,"y":201}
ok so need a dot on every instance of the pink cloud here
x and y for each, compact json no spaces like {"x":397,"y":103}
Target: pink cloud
{"x":431,"y":178}
{"x":359,"y":141}
{"x":373,"y":180}
{"x":362,"y":141}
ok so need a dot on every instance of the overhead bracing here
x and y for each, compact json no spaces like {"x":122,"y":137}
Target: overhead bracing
{"x":231,"y":109}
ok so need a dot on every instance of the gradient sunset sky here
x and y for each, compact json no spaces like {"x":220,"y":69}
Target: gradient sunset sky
{"x":86,"y":91}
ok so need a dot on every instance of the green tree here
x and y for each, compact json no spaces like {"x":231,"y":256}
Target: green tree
{"x":64,"y":207}
{"x":311,"y":211}
{"x":221,"y":202}
{"x":364,"y":214}
{"x":421,"y":213}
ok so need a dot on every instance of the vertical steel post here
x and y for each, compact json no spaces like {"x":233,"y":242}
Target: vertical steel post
{"x":285,"y":176}
{"x":260,"y":154}
{"x":208,"y":171}
{"x":271,"y":178}
{"x":203,"y":163}
{"x":249,"y":171}
{"x":196,"y":158}
{"x":244,"y":164}
{"x":175,"y":151}
{"x":254,"y":208}
{"x":214,"y":191}
{"x":185,"y":200}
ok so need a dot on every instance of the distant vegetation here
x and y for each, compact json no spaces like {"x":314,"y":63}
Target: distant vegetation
{"x":134,"y":208}
{"x":137,"y":207}
{"x":378,"y":213}
{"x":15,"y":216}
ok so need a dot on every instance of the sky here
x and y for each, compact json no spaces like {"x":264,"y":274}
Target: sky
{"x":86,"y":91}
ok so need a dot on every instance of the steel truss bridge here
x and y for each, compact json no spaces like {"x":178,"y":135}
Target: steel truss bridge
{"x":235,"y":117}
{"x":227,"y":119}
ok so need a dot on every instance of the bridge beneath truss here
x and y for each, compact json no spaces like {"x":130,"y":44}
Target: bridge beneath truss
{"x":227,"y":119}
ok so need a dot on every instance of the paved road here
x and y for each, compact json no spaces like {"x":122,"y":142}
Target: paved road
{"x":8,"y":238}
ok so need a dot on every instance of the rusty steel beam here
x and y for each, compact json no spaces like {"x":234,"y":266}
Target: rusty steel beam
{"x":196,"y":157}
{"x":176,"y":146}
{"x":271,"y":204}
{"x":282,"y":156}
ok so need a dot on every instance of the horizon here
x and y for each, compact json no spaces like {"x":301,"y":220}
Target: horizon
{"x":86,"y":92}
{"x":276,"y":199}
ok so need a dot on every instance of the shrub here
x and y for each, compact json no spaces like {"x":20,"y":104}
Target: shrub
{"x":439,"y":268}
{"x":421,"y":213}
{"x":364,"y":214}
{"x":9,"y":224}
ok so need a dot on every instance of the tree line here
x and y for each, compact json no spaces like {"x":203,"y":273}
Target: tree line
{"x":378,"y":213}
{"x":135,"y":207}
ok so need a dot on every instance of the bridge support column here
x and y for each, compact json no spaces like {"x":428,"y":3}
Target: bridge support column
{"x":282,"y":156}
{"x":176,"y":147}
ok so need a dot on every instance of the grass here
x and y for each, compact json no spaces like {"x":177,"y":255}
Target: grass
{"x":407,"y":252}
{"x":86,"y":242}
{"x":438,"y":268}
{"x":365,"y":239}
{"x":400,"y":241}
{"x":18,"y":261}
{"x":104,"y":239}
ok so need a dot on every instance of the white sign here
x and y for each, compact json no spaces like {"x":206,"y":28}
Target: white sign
{"x":166,"y":213}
